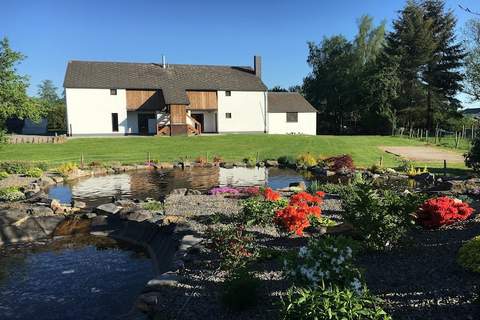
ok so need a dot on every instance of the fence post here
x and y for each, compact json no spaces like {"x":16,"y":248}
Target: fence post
{"x":444,"y":167}
{"x":426,"y":136}
{"x":82,"y":161}
{"x":472,"y":131}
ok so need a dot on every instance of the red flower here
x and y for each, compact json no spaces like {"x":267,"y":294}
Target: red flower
{"x":294,"y":218}
{"x":271,"y":195}
{"x":441,"y":211}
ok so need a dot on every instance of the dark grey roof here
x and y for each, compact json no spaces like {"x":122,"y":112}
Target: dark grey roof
{"x":471,"y":111}
{"x":280,"y":102}
{"x":173,"y":80}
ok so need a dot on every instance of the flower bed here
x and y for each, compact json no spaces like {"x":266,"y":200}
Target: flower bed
{"x":441,"y":211}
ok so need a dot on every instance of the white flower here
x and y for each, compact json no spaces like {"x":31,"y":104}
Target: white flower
{"x":303,"y":252}
{"x":356,"y":285}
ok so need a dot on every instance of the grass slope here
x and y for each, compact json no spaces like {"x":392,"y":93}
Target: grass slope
{"x":364,"y":149}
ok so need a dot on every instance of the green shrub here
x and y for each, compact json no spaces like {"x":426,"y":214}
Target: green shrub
{"x":42,"y":165}
{"x":67,"y":168}
{"x":306,"y":160}
{"x":16,"y":167}
{"x":250,"y":161}
{"x":287,"y":161}
{"x":258,"y":211}
{"x":326,"y":261}
{"x":34,"y":172}
{"x":469,"y":255}
{"x":3,"y":175}
{"x":381,"y":217}
{"x":240,"y":290}
{"x":152,"y":205}
{"x":11,"y":194}
{"x":472,"y":157}
{"x":234,"y":244}
{"x":331,"y":304}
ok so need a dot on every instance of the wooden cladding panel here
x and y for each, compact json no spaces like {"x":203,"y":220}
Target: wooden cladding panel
{"x":206,"y":100}
{"x":143,"y":100}
{"x":178,"y":114}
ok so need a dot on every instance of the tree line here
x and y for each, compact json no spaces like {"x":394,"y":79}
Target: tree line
{"x":408,"y":77}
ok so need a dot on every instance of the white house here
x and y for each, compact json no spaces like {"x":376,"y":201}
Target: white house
{"x":289,"y":112}
{"x":118,"y":98}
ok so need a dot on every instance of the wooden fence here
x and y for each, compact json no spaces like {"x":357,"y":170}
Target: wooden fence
{"x":16,"y":139}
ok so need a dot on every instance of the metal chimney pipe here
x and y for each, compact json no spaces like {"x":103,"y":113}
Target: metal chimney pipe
{"x":164,"y":64}
{"x":257,"y":66}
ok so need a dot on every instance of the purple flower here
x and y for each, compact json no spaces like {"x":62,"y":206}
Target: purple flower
{"x":223,"y":190}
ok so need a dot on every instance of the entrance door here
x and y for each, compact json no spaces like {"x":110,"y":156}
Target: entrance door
{"x":199,"y":117}
{"x":143,"y":122}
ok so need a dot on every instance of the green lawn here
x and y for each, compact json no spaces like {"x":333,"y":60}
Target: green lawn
{"x":364,"y":149}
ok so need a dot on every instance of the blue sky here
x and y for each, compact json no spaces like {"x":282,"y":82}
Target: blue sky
{"x":51,"y":33}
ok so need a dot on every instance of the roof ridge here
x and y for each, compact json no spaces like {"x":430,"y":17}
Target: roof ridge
{"x":159,"y":64}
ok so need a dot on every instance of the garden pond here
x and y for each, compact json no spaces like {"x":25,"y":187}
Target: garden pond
{"x":157,"y":184}
{"x":82,"y":278}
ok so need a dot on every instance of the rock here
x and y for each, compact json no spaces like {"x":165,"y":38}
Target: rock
{"x":390,"y":171}
{"x":138,"y":215}
{"x":108,"y":208}
{"x":319,"y":171}
{"x":55,"y":204}
{"x":271,"y":163}
{"x":300,"y":185}
{"x":33,"y":187}
{"x":30,"y":194}
{"x":57,"y":179}
{"x":165,"y":165}
{"x":227,"y":165}
{"x":425,"y":177}
{"x":166,"y":279}
{"x":191,"y":192}
{"x":147,"y":301}
{"x":260,"y":164}
{"x":30,"y":229}
{"x":41,"y":211}
{"x":179,"y":191}
{"x":78,"y":204}
{"x":189,"y":241}
{"x":89,"y":215}
{"x":9,"y":216}
{"x":45,"y":181}
{"x":240,"y":164}
{"x":125,"y":203}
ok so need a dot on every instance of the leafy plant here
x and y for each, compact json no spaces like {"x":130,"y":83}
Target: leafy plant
{"x":261,"y":210}
{"x":152,"y":205}
{"x":441,"y":211}
{"x":3,"y":175}
{"x":381,"y":217}
{"x":34,"y":172}
{"x":306,"y":160}
{"x":217,"y":159}
{"x":287,"y":161}
{"x":16,"y":167}
{"x":326,"y":261}
{"x":250,"y":161}
{"x":331,"y":304}
{"x":234,"y":245}
{"x":240,"y":290}
{"x":11,"y":194}
{"x":469,"y":255}
{"x":340,"y":164}
{"x":201,"y":160}
{"x":67,"y":168}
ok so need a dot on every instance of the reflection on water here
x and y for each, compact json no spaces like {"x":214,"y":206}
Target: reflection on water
{"x":158,"y":183}
{"x":89,"y":278}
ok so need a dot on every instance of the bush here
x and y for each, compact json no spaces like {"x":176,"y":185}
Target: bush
{"x":340,"y":164}
{"x":217,"y":159}
{"x":3,"y":175}
{"x":381,"y":217}
{"x":441,"y":211}
{"x":11,"y":194}
{"x":34,"y":172}
{"x":306,"y":160}
{"x":16,"y":167}
{"x":234,"y":244}
{"x":250,"y":161}
{"x":287,"y":161}
{"x":331,"y":304}
{"x":152,"y":206}
{"x":240,"y":290}
{"x":327,"y":261}
{"x":67,"y":168}
{"x":472,"y":157}
{"x":296,"y":216}
{"x":469,"y":255}
{"x":261,"y":210}
{"x":201,"y":160}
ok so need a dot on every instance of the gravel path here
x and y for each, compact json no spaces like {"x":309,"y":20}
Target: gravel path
{"x":425,"y":154}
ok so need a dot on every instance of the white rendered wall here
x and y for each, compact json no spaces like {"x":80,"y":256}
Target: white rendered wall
{"x":247,"y":109}
{"x":307,"y":123}
{"x":89,"y":111}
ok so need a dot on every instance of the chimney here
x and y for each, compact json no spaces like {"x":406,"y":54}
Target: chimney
{"x":164,"y":64}
{"x":257,"y":66}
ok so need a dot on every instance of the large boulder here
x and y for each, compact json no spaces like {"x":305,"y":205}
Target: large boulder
{"x":426,"y":177}
{"x":137,"y":215}
{"x":10,"y":215}
{"x":271,"y":163}
{"x":179,"y":192}
{"x":29,"y":229}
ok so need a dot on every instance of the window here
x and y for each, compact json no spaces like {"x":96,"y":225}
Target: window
{"x":292,"y":116}
{"x":113,"y":92}
{"x":115,"y":122}
{"x":228,"y":93}
{"x":228,"y":115}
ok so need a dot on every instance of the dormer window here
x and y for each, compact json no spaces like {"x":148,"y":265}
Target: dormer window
{"x":113,"y":92}
{"x":228,"y":93}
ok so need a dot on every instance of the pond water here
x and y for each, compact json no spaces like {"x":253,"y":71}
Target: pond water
{"x":158,"y":183}
{"x":83,"y":278}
